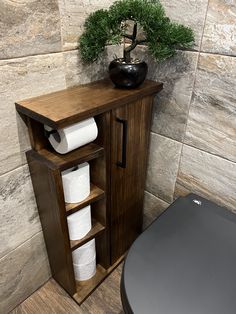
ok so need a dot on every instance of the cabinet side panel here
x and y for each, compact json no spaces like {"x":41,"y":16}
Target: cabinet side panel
{"x":50,"y":201}
{"x":127,"y":184}
{"x":100,"y":176}
{"x":36,"y":134}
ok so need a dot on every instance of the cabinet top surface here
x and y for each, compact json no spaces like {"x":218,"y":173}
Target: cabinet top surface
{"x":65,"y":107}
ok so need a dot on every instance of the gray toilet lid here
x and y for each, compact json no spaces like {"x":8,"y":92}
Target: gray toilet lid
{"x":185,"y":262}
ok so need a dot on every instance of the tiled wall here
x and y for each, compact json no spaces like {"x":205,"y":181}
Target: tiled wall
{"x":193,"y":140}
{"x":37,"y":56}
{"x":193,"y":136}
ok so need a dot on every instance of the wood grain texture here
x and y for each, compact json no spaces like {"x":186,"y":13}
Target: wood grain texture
{"x":50,"y":200}
{"x":106,"y":298}
{"x":63,"y":108}
{"x":52,"y":299}
{"x":97,"y":228}
{"x":49,"y":299}
{"x":57,"y":161}
{"x":127,"y":184}
{"x":117,"y":217}
{"x":85,"y":288}
{"x":95,"y":194}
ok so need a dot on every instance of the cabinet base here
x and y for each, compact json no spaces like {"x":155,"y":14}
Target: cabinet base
{"x":85,"y":288}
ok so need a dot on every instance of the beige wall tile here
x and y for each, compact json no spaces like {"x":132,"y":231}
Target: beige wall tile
{"x":78,"y":73}
{"x":211,"y":123}
{"x":22,"y":271}
{"x":153,"y":207}
{"x":18,"y":212}
{"x":23,"y":78}
{"x":73,"y":15}
{"x":171,"y":106}
{"x":188,"y":12}
{"x":29,"y":27}
{"x":207,"y":175}
{"x":163,"y":167}
{"x":220,"y":29}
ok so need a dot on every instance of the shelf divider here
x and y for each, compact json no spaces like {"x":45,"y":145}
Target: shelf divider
{"x":95,"y":195}
{"x":85,"y":288}
{"x":97,"y":228}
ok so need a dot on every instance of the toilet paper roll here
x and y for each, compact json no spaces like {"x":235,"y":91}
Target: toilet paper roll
{"x":72,"y":137}
{"x":79,"y":223}
{"x":76,"y":183}
{"x":86,"y":271}
{"x":85,"y":253}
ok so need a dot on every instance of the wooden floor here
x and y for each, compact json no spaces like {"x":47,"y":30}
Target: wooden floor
{"x":52,"y":299}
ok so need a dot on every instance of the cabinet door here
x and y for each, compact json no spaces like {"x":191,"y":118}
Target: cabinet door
{"x":130,"y":139}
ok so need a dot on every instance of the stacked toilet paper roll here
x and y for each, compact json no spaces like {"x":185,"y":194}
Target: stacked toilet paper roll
{"x":76,"y":183}
{"x":84,"y":261}
{"x":79,"y":223}
{"x":72,"y":137}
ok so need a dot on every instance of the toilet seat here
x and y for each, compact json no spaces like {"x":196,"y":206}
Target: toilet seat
{"x":184,"y":263}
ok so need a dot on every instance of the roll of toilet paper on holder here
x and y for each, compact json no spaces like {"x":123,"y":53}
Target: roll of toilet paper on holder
{"x":86,"y":271}
{"x":72,"y":137}
{"x":76,"y":183}
{"x":79,"y":223}
{"x":84,"y":261}
{"x":84,"y":254}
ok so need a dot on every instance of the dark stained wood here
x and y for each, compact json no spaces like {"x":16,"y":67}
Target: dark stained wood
{"x":127,"y":184}
{"x":76,"y":157}
{"x":97,"y":228}
{"x":63,"y":108}
{"x":36,"y":134}
{"x":52,"y":299}
{"x":106,"y":298}
{"x":100,"y":175}
{"x":51,"y":206}
{"x":85,"y":288}
{"x":117,"y":193}
{"x":95,"y":195}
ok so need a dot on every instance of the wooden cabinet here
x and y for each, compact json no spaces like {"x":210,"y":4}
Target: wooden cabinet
{"x":118,"y":160}
{"x":130,"y":139}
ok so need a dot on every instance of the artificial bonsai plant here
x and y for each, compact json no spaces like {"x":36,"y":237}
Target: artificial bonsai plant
{"x":162,"y":37}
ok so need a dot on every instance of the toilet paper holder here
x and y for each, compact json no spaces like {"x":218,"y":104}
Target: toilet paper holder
{"x":54,"y":133}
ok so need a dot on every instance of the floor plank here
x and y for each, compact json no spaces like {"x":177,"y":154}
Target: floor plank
{"x":49,"y":299}
{"x":106,"y":298}
{"x":52,"y":299}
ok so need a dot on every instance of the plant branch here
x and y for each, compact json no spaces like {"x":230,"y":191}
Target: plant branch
{"x":128,"y":36}
{"x":134,"y":43}
{"x":141,"y":41}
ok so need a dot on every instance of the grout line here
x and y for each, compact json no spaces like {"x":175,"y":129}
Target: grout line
{"x":191,"y":98}
{"x":19,"y":246}
{"x":204,"y":25}
{"x":13,"y":169}
{"x":74,"y":49}
{"x":38,"y":55}
{"x":209,"y":153}
{"x":157,"y":196}
{"x":165,"y":136}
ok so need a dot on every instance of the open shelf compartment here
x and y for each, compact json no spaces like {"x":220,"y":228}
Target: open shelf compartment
{"x":96,"y":230}
{"x":95,"y":195}
{"x":62,"y":162}
{"x":85,"y":288}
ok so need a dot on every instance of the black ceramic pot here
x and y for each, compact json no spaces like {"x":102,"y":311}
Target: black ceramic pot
{"x":127,"y":75}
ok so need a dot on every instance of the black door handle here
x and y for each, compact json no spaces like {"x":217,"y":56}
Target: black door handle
{"x":124,"y":123}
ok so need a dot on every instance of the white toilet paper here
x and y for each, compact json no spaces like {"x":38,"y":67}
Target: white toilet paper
{"x":76,"y":183}
{"x":86,"y":271}
{"x":73,"y":136}
{"x":79,"y":223}
{"x":85,"y":253}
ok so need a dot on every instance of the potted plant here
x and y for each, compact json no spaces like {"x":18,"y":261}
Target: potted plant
{"x":161,"y":36}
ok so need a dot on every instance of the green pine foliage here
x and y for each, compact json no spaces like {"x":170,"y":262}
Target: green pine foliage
{"x":105,"y":27}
